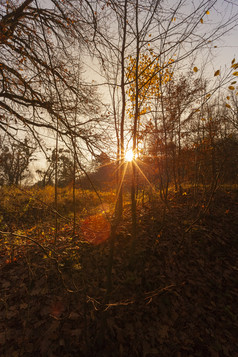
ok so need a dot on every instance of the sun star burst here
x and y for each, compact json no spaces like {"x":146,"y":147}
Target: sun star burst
{"x":129,"y":155}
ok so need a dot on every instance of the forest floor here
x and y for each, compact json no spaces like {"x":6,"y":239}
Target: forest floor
{"x":174,"y":290}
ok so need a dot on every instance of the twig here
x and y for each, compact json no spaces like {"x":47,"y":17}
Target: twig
{"x":48,"y":256}
{"x":26,"y":237}
{"x":147,"y":296}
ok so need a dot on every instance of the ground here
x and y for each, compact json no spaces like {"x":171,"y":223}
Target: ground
{"x":174,"y":289}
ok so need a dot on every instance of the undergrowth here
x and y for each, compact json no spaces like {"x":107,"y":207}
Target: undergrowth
{"x":174,"y":295}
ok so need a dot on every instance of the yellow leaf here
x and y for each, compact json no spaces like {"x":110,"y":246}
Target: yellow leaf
{"x":235,"y":66}
{"x":195,"y":69}
{"x":233,"y":61}
{"x":228,"y":98}
{"x":207,"y":12}
{"x":234,"y":82}
{"x":235,"y":74}
{"x":228,"y":105}
{"x":201,"y":21}
{"x":217,"y":73}
{"x":231,"y":87}
{"x":208,"y":95}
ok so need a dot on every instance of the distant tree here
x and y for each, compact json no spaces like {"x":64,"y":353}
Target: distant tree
{"x":230,"y":112}
{"x":15,"y":158}
{"x":104,"y":171}
{"x":65,"y":168}
{"x":227,"y":152}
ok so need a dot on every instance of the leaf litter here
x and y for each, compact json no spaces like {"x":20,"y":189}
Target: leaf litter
{"x":176,"y":297}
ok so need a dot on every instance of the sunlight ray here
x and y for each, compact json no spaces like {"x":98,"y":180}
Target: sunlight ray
{"x":122,"y":179}
{"x":109,"y":163}
{"x":142,"y":173}
{"x":120,"y":165}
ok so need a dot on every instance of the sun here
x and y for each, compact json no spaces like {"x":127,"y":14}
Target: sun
{"x":129,"y":156}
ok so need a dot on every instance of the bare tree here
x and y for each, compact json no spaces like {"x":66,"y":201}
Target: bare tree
{"x":15,"y":158}
{"x":39,"y":51}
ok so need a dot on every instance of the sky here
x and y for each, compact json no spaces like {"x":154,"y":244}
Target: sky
{"x":217,"y":55}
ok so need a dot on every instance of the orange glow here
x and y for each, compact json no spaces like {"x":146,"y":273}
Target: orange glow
{"x":96,"y":229}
